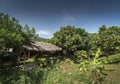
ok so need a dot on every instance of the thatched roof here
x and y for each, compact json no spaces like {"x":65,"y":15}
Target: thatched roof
{"x":41,"y":46}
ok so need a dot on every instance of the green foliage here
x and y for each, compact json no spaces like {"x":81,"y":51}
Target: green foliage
{"x":42,"y":39}
{"x":34,"y":76}
{"x":63,"y":73}
{"x":66,"y":72}
{"x":10,"y":29}
{"x":71,"y":39}
{"x":93,"y":69}
{"x":108,"y":39}
{"x":12,"y":34}
{"x":113,"y":73}
{"x":29,"y":34}
{"x":81,"y":54}
{"x":97,"y":56}
{"x":74,"y":39}
{"x":113,"y":59}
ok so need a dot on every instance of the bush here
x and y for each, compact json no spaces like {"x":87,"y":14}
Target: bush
{"x":81,"y":54}
{"x":93,"y":70}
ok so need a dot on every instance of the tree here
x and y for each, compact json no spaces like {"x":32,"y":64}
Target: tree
{"x":108,"y":39}
{"x":93,"y":70}
{"x":13,"y":35}
{"x":71,"y":39}
{"x":10,"y":32}
{"x":29,"y":34}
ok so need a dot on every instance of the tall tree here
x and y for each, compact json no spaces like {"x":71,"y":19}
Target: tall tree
{"x":29,"y":34}
{"x":70,"y":38}
{"x":108,"y":39}
{"x":10,"y":31}
{"x":13,"y":35}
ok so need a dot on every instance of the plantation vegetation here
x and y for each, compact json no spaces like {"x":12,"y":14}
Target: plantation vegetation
{"x":86,"y":58}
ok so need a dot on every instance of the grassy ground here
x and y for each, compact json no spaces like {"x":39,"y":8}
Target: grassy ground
{"x":67,"y":72}
{"x":113,"y":70}
{"x":60,"y":72}
{"x":64,"y":73}
{"x":113,"y":74}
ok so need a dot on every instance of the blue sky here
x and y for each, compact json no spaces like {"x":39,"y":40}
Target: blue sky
{"x":47,"y":16}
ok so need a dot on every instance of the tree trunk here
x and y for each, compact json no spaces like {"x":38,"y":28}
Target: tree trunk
{"x":1,"y":61}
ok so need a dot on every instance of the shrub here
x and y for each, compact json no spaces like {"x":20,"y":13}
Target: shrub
{"x":81,"y":54}
{"x":93,"y":70}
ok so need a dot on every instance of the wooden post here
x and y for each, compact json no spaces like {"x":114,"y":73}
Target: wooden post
{"x":24,"y":57}
{"x":1,"y":61}
{"x":29,"y":54}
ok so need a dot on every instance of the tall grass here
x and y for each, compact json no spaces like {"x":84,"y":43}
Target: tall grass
{"x":59,"y":72}
{"x":64,"y":73}
{"x":113,"y":69}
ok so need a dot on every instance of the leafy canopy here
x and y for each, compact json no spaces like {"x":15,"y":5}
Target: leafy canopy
{"x":12,"y":34}
{"x":71,"y":39}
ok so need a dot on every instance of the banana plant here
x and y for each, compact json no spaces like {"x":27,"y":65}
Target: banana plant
{"x":93,"y":68}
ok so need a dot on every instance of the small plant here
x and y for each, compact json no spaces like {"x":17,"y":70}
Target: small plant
{"x":113,"y":61}
{"x":93,"y":70}
{"x":81,"y":54}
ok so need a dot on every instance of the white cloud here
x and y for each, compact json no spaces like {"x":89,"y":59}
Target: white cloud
{"x":69,"y":18}
{"x":44,"y":34}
